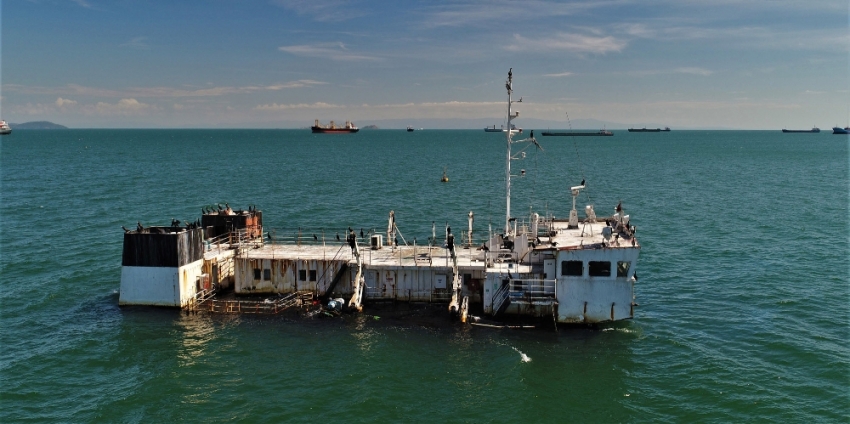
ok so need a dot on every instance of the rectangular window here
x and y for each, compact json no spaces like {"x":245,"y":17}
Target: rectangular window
{"x":302,"y":275}
{"x":572,"y":268}
{"x":267,"y":274}
{"x":623,"y":268}
{"x":312,"y":275}
{"x":599,"y":269}
{"x":257,"y":273}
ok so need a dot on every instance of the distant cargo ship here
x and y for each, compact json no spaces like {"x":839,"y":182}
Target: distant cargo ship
{"x":514,"y":129}
{"x":644,"y":129}
{"x":332,"y":128}
{"x":839,"y":130}
{"x":813,"y":130}
{"x":579,"y":133}
{"x":5,"y":128}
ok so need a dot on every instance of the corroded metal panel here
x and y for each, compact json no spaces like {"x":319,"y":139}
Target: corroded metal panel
{"x":162,"y":247}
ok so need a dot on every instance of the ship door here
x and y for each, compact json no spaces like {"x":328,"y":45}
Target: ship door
{"x":371,"y":280}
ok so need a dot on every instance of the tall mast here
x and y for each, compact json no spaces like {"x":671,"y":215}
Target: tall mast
{"x":509,"y":86}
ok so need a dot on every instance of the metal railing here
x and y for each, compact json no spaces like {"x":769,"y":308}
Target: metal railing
{"x":268,"y":306}
{"x":500,"y":297}
{"x":532,"y":291}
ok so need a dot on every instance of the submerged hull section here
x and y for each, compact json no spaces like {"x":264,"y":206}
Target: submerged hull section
{"x":159,"y":286}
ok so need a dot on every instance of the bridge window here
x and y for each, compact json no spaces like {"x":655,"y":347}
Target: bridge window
{"x":257,"y":273}
{"x":302,"y":275}
{"x":599,"y":268}
{"x":623,"y":268}
{"x":572,"y":268}
{"x":267,"y":274}
{"x":312,"y":275}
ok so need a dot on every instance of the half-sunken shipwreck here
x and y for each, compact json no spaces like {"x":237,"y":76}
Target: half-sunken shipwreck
{"x":575,"y":270}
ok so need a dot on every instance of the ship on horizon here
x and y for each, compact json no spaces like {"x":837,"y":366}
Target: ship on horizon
{"x":349,"y":127}
{"x":645,"y":129}
{"x":813,"y":130}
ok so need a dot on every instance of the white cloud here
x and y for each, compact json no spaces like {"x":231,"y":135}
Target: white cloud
{"x":125,"y":107}
{"x":83,"y":3}
{"x":60,"y":102}
{"x":562,"y":74}
{"x":324,"y":10}
{"x":568,"y":42}
{"x":693,"y":71}
{"x":293,"y":84}
{"x":317,"y":105}
{"x":137,"y":43}
{"x":170,"y":92}
{"x":332,"y":51}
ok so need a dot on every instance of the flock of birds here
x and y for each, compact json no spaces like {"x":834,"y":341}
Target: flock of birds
{"x":189,"y":225}
{"x":226,"y":210}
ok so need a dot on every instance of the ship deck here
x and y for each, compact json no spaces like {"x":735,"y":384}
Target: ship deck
{"x":586,"y":236}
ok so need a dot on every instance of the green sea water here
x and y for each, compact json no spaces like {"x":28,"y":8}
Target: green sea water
{"x":744,"y":286}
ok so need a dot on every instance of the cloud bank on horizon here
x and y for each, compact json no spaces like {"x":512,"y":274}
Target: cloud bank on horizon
{"x":753,"y":64}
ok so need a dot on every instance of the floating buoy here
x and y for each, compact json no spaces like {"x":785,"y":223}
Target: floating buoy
{"x":445,"y":178}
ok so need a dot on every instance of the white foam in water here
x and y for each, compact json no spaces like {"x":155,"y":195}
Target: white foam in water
{"x":523,"y":356}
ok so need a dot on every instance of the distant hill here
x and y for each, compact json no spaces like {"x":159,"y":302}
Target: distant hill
{"x":370,"y":127}
{"x":38,"y":125}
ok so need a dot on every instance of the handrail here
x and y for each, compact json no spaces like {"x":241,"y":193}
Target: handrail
{"x":532,"y":290}
{"x":499,"y":297}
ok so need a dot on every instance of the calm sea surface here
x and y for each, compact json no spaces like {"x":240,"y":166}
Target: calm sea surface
{"x":744,"y":284}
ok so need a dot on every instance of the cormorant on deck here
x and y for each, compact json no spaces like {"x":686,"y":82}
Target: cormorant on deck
{"x":125,"y":229}
{"x":337,"y":236}
{"x":361,"y":233}
{"x":219,"y":207}
{"x":139,"y":226}
{"x":619,"y":207}
{"x":315,"y":238}
{"x":582,"y":182}
{"x":352,"y":239}
{"x":532,"y":134}
{"x":484,"y":247}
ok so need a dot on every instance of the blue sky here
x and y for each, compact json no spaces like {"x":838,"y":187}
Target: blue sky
{"x":752,"y":64}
